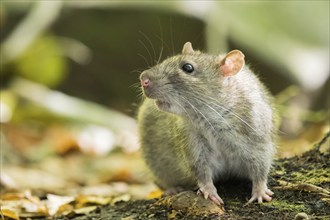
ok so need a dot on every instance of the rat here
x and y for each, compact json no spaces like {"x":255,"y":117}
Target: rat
{"x":206,"y":118}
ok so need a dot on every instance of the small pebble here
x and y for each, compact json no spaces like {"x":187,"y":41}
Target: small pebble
{"x":301,"y":216}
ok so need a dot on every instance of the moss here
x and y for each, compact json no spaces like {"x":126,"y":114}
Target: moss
{"x":315,"y":176}
{"x":286,"y":206}
{"x":318,"y":176}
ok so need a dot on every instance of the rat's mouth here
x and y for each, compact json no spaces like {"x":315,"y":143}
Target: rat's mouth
{"x":159,"y":100}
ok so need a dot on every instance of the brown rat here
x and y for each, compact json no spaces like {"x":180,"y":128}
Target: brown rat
{"x":206,"y":118}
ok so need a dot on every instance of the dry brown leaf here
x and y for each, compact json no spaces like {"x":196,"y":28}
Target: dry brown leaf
{"x":85,"y":210}
{"x":155,"y":194}
{"x":124,"y":197}
{"x":13,"y":196}
{"x":62,"y":139}
{"x":123,"y":175}
{"x":65,"y":209}
{"x":12,"y":214}
{"x":24,"y":207}
{"x":98,"y":200}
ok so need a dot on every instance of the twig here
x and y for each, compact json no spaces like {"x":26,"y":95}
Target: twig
{"x":307,"y":187}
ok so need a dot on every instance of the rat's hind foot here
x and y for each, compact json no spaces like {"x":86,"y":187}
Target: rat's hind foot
{"x":261,"y":194}
{"x":210,"y":192}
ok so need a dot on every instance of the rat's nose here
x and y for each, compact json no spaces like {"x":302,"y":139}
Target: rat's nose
{"x":145,"y":82}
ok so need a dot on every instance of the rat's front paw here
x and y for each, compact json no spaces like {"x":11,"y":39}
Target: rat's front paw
{"x":210,"y":192}
{"x":261,"y":195}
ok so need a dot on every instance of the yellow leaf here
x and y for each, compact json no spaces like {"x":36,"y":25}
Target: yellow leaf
{"x":172,"y":215}
{"x":124,"y":197}
{"x":155,"y":194}
{"x":9,"y":214}
{"x":93,"y":199}
{"x":85,"y":210}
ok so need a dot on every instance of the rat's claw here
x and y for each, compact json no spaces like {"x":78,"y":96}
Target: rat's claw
{"x":269,"y":192}
{"x":261,"y":196}
{"x":205,"y":194}
{"x":210,"y":192}
{"x":216,"y":199}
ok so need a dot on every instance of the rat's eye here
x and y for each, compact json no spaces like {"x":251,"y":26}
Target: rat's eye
{"x":188,"y":68}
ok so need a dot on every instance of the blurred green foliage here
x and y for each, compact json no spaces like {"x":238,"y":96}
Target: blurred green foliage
{"x":43,"y":62}
{"x":285,"y":43}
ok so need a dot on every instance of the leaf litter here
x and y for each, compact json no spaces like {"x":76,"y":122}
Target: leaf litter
{"x":69,"y":184}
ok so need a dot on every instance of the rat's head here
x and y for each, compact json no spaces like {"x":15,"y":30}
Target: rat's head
{"x":179,"y":82}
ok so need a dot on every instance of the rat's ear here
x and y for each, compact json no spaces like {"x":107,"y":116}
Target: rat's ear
{"x":232,"y":63}
{"x":187,"y":48}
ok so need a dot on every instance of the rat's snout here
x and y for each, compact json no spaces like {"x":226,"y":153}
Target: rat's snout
{"x":145,"y":80}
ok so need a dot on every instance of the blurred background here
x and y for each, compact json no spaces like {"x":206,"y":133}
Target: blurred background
{"x":69,"y":75}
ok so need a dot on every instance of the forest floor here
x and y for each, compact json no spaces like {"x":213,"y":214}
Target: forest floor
{"x":109,"y":188}
{"x":301,"y":186}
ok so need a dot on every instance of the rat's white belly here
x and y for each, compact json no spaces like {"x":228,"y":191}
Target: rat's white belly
{"x":228,"y":159}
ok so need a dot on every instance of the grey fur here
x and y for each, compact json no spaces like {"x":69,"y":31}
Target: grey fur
{"x":205,"y":127}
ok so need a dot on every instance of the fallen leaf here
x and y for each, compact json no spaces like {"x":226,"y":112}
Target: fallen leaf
{"x":65,"y":209}
{"x":85,"y":210}
{"x":12,"y":214}
{"x":54,"y":202}
{"x":124,"y":197}
{"x":33,"y":207}
{"x":123,"y":175}
{"x":98,"y":200}
{"x":155,"y":194}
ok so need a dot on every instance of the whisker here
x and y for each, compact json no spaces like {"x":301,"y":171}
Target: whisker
{"x":222,"y":118}
{"x":160,"y":54}
{"x":231,"y":112}
{"x":178,"y":103}
{"x":238,"y":117}
{"x":135,"y":85}
{"x":145,"y":47}
{"x":161,"y":40}
{"x":171,"y":31}
{"x":145,"y":59}
{"x":199,"y":112}
{"x":208,"y":101}
{"x":150,"y":43}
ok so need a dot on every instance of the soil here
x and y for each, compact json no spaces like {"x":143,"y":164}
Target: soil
{"x":301,"y":186}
